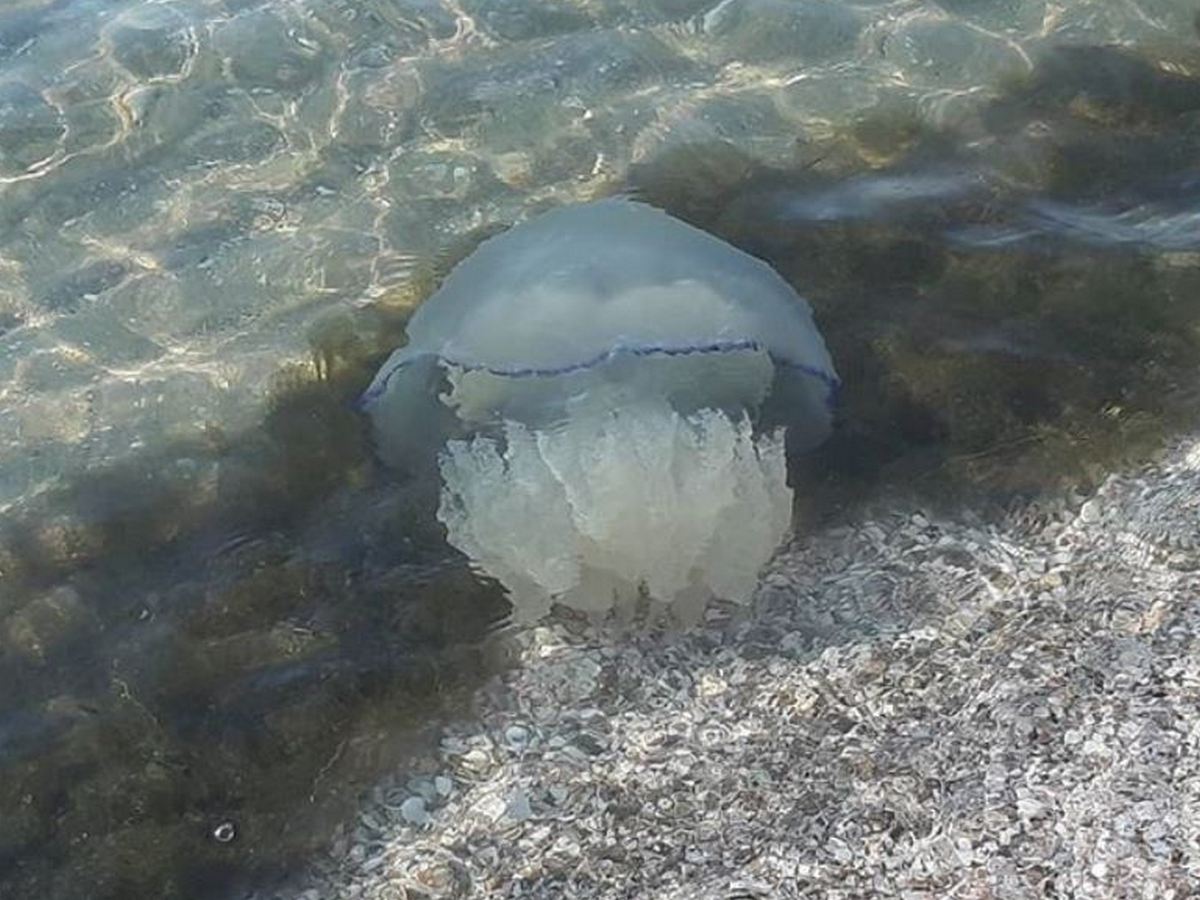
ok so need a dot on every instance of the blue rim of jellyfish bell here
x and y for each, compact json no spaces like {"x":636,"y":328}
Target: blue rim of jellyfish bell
{"x":832,"y":382}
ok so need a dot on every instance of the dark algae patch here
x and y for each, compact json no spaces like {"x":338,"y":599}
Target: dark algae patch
{"x":211,"y":649}
{"x":987,"y":348}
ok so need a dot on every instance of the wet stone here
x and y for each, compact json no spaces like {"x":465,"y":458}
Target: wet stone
{"x":413,"y":811}
{"x":1004,"y":14}
{"x":89,"y":125}
{"x":18,"y":31}
{"x":152,"y":45}
{"x":264,"y":51}
{"x":519,"y":808}
{"x":517,"y":737}
{"x":168,"y":113}
{"x":945,"y":53}
{"x":831,"y":94}
{"x":525,"y":19}
{"x":376,"y":56}
{"x":369,"y":125}
{"x":92,"y":194}
{"x":242,"y":142}
{"x":774,"y":30}
{"x":106,"y":338}
{"x":439,"y":880}
{"x":591,"y":744}
{"x":515,"y":87}
{"x":440,"y":175}
{"x":30,"y":128}
{"x":20,"y":827}
{"x":667,"y":10}
{"x":55,"y":370}
{"x":47,"y":624}
{"x":31,"y":733}
{"x":9,"y":320}
{"x":420,"y":22}
{"x":85,"y":284}
{"x":424,"y":788}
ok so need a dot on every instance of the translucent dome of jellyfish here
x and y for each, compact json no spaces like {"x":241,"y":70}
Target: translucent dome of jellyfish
{"x":608,"y":393}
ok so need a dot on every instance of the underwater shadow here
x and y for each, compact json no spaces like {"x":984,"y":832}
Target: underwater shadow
{"x":241,"y":630}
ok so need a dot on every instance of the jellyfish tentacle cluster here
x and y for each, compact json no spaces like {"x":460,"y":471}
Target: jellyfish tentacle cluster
{"x":591,"y":384}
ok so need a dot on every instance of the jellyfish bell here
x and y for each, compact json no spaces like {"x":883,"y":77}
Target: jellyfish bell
{"x":607,"y":393}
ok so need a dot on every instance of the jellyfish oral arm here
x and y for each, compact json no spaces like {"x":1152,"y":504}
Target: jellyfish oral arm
{"x":619,"y":501}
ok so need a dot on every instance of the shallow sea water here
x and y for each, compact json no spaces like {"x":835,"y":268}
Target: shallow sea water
{"x":215,"y":609}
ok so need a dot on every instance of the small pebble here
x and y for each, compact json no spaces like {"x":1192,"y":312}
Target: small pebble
{"x":516,"y":736}
{"x":413,"y":811}
{"x":590,"y":743}
{"x":423,"y":787}
{"x":518,"y":806}
{"x":1029,"y":808}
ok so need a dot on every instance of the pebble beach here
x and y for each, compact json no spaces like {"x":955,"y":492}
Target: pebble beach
{"x":917,"y":706}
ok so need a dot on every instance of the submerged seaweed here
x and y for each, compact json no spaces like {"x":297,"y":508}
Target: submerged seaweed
{"x":221,"y":649}
{"x":990,"y":367}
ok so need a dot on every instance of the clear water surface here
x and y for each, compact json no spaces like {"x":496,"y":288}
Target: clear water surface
{"x":219,"y":618}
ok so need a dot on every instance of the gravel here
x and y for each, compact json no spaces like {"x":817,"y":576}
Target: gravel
{"x":920,"y":705}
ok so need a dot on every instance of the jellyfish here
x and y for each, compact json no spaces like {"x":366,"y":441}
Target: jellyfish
{"x":609,"y":396}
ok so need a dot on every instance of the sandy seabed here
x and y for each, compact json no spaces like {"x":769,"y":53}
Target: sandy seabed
{"x":916,"y":706}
